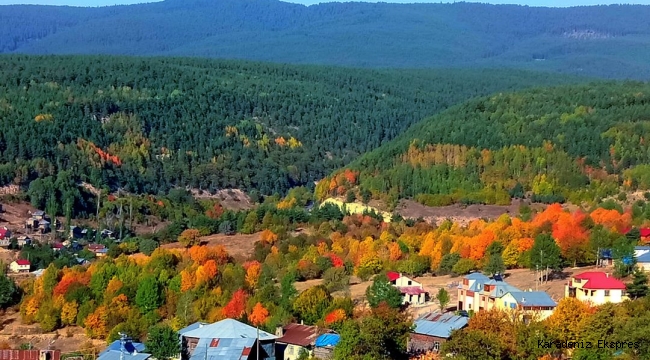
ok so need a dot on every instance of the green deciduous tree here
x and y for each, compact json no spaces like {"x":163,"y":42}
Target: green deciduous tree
{"x":162,"y":342}
{"x":443,"y":299}
{"x":311,"y":304}
{"x":149,"y":295}
{"x":382,"y":290}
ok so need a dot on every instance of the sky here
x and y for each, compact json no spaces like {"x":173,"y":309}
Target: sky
{"x":551,"y":3}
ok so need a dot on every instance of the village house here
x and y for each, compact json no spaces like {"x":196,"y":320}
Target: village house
{"x":57,"y":246}
{"x":412,"y":291}
{"x":38,"y":222}
{"x":227,"y":339}
{"x":605,"y":258}
{"x":642,"y":255}
{"x":20,"y":266}
{"x":432,"y":330}
{"x":324,"y":346}
{"x":595,"y":287}
{"x":478,"y":292}
{"x":23,"y":240}
{"x":5,"y":237}
{"x":294,"y":339}
{"x":99,"y":250}
{"x":537,"y":305}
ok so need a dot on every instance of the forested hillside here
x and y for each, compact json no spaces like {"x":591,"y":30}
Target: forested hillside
{"x":146,"y":125}
{"x":577,"y":143}
{"x":606,"y":41}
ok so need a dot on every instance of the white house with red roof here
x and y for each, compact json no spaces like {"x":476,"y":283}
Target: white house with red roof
{"x":595,"y":287}
{"x":412,"y":291}
{"x":20,"y":266}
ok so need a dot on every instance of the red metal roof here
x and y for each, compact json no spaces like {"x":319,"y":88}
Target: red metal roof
{"x":23,"y":262}
{"x":392,"y":276}
{"x":411,"y":290}
{"x":27,"y":354}
{"x":3,"y":232}
{"x":597,"y":280}
{"x":96,"y":247}
{"x":297,"y":334}
{"x":644,"y":232}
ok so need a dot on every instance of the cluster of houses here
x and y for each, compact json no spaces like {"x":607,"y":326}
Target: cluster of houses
{"x":478,"y":292}
{"x":230,"y":339}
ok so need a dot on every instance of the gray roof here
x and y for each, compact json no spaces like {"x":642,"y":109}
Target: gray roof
{"x":228,"y":329}
{"x":439,"y":324}
{"x":223,"y":349}
{"x":38,"y":213}
{"x":533,"y":298}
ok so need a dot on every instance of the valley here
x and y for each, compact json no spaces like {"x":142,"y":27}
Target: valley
{"x":392,"y":182}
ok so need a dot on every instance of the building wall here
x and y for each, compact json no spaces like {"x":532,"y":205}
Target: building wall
{"x":423,"y":343}
{"x":505,"y":304}
{"x":323,"y":353}
{"x":598,"y":297}
{"x":404,"y":281}
{"x":644,"y":266}
{"x":290,"y":352}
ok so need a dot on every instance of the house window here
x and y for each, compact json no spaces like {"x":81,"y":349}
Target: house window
{"x":436,"y":346}
{"x":513,"y":305}
{"x":606,"y":292}
{"x":462,"y":292}
{"x":410,"y":282}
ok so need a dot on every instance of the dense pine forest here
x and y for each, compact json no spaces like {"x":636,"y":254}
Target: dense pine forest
{"x":577,"y":143}
{"x":605,"y":41}
{"x":147,"y":125}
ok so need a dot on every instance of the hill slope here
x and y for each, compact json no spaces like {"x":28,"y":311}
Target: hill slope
{"x":606,"y":41}
{"x":148,"y":124}
{"x":576,"y":142}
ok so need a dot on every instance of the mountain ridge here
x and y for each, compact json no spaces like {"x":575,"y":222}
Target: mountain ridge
{"x":606,"y":41}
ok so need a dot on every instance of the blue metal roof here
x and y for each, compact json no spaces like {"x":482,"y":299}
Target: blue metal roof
{"x":228,"y":329}
{"x":533,"y":298}
{"x":477,"y":276}
{"x":645,"y":258}
{"x":117,"y":355}
{"x":191,"y":327}
{"x":439,"y":324}
{"x":327,"y":340}
{"x":225,"y":349}
{"x":606,"y":253}
{"x":501,"y":289}
{"x":129,"y":347}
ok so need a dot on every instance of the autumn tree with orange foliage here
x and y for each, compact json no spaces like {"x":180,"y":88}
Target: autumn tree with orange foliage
{"x":268,"y":237}
{"x":259,"y":315}
{"x":253,"y":271}
{"x":236,"y":307}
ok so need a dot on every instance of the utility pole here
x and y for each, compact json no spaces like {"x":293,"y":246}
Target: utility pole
{"x":258,"y":343}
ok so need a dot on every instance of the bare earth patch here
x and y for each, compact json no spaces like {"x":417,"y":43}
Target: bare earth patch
{"x":69,"y":339}
{"x":238,"y":245}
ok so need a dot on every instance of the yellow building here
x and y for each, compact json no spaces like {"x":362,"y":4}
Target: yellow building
{"x":536,"y":305}
{"x":596,"y":288}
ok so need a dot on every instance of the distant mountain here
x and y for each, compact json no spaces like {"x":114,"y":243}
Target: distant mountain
{"x":575,"y":143}
{"x":605,"y":41}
